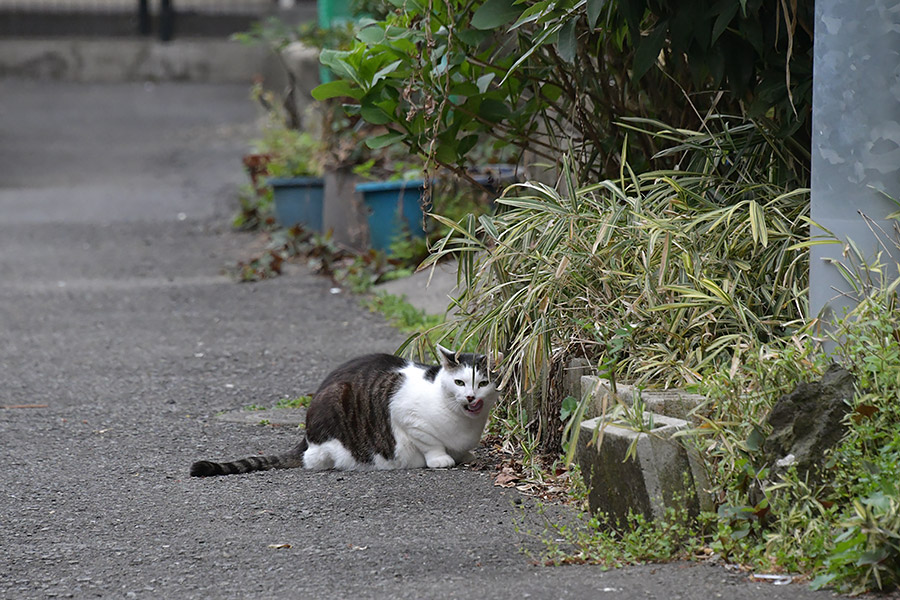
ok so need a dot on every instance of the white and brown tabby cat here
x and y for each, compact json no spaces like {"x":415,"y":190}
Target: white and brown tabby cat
{"x":384,"y":412}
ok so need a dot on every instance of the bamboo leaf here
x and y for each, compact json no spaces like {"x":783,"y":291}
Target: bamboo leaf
{"x":566,"y":45}
{"x":494,"y":13}
{"x":758,"y":224}
{"x":488,"y":224}
{"x":594,"y":8}
{"x":648,"y":49}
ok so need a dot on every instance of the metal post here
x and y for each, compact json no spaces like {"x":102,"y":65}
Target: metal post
{"x":144,"y":26}
{"x":166,"y":20}
{"x":856,"y":139}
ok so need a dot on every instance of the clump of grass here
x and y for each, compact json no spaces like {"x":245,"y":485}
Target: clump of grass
{"x":298,"y":402}
{"x":597,"y":539}
{"x":401,"y":314}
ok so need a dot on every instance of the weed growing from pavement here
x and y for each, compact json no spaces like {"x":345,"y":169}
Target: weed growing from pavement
{"x":401,"y":314}
{"x":597,"y":539}
{"x":298,"y":402}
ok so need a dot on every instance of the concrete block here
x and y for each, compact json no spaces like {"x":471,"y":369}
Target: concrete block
{"x":662,"y":474}
{"x":344,"y":213}
{"x":670,"y":403}
{"x":575,"y":370}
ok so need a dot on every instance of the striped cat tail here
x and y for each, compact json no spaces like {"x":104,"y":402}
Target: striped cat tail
{"x":289,"y":460}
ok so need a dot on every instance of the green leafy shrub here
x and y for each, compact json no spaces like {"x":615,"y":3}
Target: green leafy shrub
{"x":697,"y":265}
{"x":402,"y":314}
{"x":550,"y":76}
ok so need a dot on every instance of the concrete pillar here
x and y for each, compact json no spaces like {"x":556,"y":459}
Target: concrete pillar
{"x":856,"y":136}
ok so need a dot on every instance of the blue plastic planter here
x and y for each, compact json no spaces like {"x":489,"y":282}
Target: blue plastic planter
{"x":393,"y":206}
{"x":299,"y":200}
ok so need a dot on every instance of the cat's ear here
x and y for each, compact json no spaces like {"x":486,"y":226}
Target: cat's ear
{"x":448,"y":357}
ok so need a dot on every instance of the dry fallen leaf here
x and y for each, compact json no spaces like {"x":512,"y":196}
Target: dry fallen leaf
{"x":506,"y":478}
{"x":279,"y":546}
{"x":864,"y":411}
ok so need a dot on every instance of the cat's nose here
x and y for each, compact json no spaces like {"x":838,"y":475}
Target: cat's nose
{"x":470,"y":398}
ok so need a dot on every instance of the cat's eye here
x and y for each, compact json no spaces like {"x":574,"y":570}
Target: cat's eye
{"x":482,"y":384}
{"x":459,"y":382}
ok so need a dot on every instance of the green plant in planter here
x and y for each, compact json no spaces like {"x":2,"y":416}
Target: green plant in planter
{"x":384,"y":169}
{"x":294,"y":170}
{"x":281,"y":151}
{"x":294,"y":153}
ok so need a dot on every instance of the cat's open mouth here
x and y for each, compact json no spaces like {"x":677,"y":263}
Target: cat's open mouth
{"x":475,"y":407}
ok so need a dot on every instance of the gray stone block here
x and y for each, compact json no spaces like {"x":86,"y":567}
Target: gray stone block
{"x":670,"y":403}
{"x":661,"y":475}
{"x":575,"y":370}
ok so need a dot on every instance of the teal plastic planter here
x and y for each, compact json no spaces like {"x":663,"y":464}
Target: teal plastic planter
{"x":393,"y":206}
{"x":298,"y":201}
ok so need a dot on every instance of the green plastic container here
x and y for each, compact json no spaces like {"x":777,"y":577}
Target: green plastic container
{"x":394,"y":206}
{"x":299,"y":201}
{"x":331,"y":13}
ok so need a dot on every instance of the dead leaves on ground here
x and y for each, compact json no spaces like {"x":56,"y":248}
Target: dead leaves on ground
{"x":546,"y":481}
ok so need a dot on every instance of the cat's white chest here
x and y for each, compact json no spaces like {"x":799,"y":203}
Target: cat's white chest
{"x":421,"y":418}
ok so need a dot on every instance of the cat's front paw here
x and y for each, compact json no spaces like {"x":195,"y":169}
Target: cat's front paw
{"x":440,"y":461}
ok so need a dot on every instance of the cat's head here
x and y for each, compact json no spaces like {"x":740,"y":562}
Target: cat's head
{"x":467,"y":381}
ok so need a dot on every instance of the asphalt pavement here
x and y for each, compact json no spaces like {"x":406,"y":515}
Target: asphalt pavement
{"x":120,"y":342}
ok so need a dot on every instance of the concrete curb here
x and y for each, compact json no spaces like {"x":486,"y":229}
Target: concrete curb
{"x":86,"y":60}
{"x":665,"y":472}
